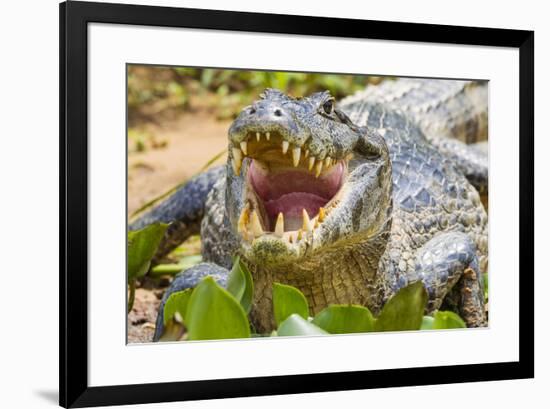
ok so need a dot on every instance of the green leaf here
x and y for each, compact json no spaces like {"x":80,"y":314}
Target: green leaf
{"x":142,"y":246}
{"x":403,"y":311}
{"x":427,"y":322}
{"x":248,"y":296}
{"x":177,"y":302}
{"x":447,"y":320}
{"x":132,"y":295}
{"x":345,"y":319}
{"x":486,"y":286}
{"x":296,"y":325}
{"x":174,"y":330}
{"x":236,"y":283}
{"x":288,"y":300}
{"x":172,"y":269}
{"x":207,"y":77}
{"x":213,"y":313}
{"x":240,"y":284}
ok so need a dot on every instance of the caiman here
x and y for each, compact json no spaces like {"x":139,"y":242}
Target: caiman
{"x":348,"y":201}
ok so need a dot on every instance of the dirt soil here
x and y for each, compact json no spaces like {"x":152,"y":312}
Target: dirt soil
{"x":141,"y":320}
{"x":189,"y":141}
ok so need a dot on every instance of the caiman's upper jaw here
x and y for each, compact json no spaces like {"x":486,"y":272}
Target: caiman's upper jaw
{"x":274,"y":149}
{"x":289,"y":192}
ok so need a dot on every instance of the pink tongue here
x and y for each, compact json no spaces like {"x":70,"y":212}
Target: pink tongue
{"x":273,"y":185}
{"x":288,"y":191}
{"x":291,"y":205}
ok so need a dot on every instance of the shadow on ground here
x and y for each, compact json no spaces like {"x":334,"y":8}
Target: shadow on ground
{"x":51,"y":396}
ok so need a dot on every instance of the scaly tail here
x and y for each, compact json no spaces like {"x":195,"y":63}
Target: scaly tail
{"x":184,"y":209}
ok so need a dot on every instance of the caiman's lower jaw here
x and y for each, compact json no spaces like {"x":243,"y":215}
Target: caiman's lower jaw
{"x":289,"y":193}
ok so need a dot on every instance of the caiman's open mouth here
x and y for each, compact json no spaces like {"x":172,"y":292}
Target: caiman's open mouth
{"x":289,"y":192}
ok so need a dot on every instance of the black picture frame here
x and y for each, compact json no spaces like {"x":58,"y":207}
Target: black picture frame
{"x":73,"y":380}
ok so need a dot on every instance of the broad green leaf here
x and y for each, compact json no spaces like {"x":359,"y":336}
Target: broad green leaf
{"x":447,"y":320}
{"x":236,"y":283}
{"x":345,"y":319}
{"x":240,"y":284}
{"x":288,"y":300}
{"x":248,"y":296}
{"x":403,"y":311}
{"x":296,"y":325}
{"x":427,"y":322}
{"x":177,"y":302}
{"x":142,"y":246}
{"x":213,"y":313}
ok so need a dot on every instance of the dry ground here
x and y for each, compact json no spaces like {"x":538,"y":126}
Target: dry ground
{"x":191,"y":140}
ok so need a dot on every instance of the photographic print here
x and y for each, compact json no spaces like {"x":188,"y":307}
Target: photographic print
{"x":266,"y":203}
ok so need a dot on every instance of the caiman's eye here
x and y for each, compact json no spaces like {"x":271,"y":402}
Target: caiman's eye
{"x":328,"y":107}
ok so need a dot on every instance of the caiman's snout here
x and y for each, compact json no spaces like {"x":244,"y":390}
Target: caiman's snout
{"x":266,"y":117}
{"x":267,"y":111}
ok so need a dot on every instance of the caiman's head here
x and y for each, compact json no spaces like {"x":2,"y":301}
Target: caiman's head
{"x":302,"y":177}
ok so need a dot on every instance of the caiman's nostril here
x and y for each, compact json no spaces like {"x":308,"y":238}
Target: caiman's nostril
{"x":278,"y":112}
{"x":252,"y":110}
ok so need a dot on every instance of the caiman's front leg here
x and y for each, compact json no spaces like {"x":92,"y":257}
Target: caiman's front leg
{"x":189,"y":278}
{"x":448,"y":267}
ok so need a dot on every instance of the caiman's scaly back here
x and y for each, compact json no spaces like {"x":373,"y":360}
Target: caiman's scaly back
{"x":453,"y":115}
{"x":441,"y":108}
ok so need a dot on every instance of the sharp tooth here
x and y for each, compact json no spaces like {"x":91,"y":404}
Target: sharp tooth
{"x":280,"y":225}
{"x":296,"y":152}
{"x":327,"y":161}
{"x":290,"y":236}
{"x":285,"y":147}
{"x":243,"y":219}
{"x":299,"y":236}
{"x":243,"y":147}
{"x":306,"y":154}
{"x":322,"y":214}
{"x":306,"y":225}
{"x":236,"y":169}
{"x":267,"y":135}
{"x":311,"y":162}
{"x":318,"y":168}
{"x":237,"y":155}
{"x":237,"y":160}
{"x":258,"y":136}
{"x":255,"y":224}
